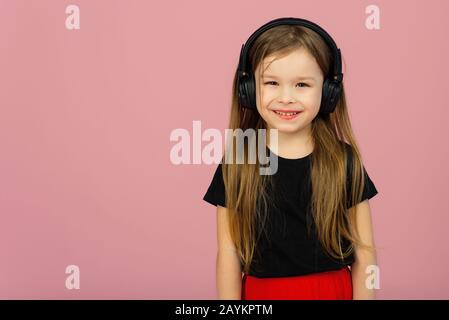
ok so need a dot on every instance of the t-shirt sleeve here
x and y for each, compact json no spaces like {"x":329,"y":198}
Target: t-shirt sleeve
{"x":216,"y":192}
{"x":369,"y":189}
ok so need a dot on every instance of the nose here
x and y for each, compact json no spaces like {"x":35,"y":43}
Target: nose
{"x":285,"y":96}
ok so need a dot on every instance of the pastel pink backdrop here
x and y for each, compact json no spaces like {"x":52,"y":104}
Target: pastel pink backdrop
{"x":86,"y":116}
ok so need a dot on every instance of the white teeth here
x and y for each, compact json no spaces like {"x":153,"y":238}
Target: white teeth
{"x":286,"y":113}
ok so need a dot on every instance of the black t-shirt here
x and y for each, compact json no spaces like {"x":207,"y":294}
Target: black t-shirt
{"x":286,"y":249}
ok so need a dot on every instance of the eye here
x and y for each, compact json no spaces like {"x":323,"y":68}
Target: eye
{"x":274,"y":83}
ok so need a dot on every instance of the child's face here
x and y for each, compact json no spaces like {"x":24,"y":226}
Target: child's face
{"x":282,"y":88}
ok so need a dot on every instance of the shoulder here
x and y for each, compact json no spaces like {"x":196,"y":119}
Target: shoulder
{"x":215,"y":193}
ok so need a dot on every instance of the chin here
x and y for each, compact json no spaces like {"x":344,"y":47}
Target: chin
{"x":288,"y":129}
{"x":285,"y":126}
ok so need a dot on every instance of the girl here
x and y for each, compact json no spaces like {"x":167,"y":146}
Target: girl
{"x":305,"y":231}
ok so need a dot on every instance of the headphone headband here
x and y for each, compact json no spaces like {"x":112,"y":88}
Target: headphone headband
{"x":337,"y":75}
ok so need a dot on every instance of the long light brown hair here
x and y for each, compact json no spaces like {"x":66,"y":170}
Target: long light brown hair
{"x":246,"y":188}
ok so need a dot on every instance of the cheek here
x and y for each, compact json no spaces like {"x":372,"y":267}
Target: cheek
{"x":317,"y":98}
{"x":263,"y":100}
{"x":313,"y":99}
{"x":266,"y":98}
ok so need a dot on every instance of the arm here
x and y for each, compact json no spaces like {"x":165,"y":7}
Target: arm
{"x":229,"y":275}
{"x":363,"y":257}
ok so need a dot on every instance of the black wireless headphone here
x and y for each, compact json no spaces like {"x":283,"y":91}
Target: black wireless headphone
{"x":246,"y":84}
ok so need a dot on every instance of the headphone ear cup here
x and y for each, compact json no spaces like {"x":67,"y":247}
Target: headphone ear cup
{"x":243,"y":92}
{"x":330,"y":97}
{"x":246,"y":91}
{"x":251,"y":90}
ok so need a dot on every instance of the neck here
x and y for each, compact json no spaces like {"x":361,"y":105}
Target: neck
{"x":292,"y":145}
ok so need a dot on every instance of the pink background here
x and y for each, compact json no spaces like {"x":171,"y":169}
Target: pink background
{"x":86,"y":115}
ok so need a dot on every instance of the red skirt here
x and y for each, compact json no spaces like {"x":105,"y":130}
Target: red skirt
{"x":329,"y":285}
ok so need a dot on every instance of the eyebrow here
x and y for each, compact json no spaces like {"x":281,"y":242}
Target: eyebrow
{"x":297,"y":78}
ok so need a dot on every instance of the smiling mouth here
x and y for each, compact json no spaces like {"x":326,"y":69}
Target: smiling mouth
{"x":291,"y":113}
